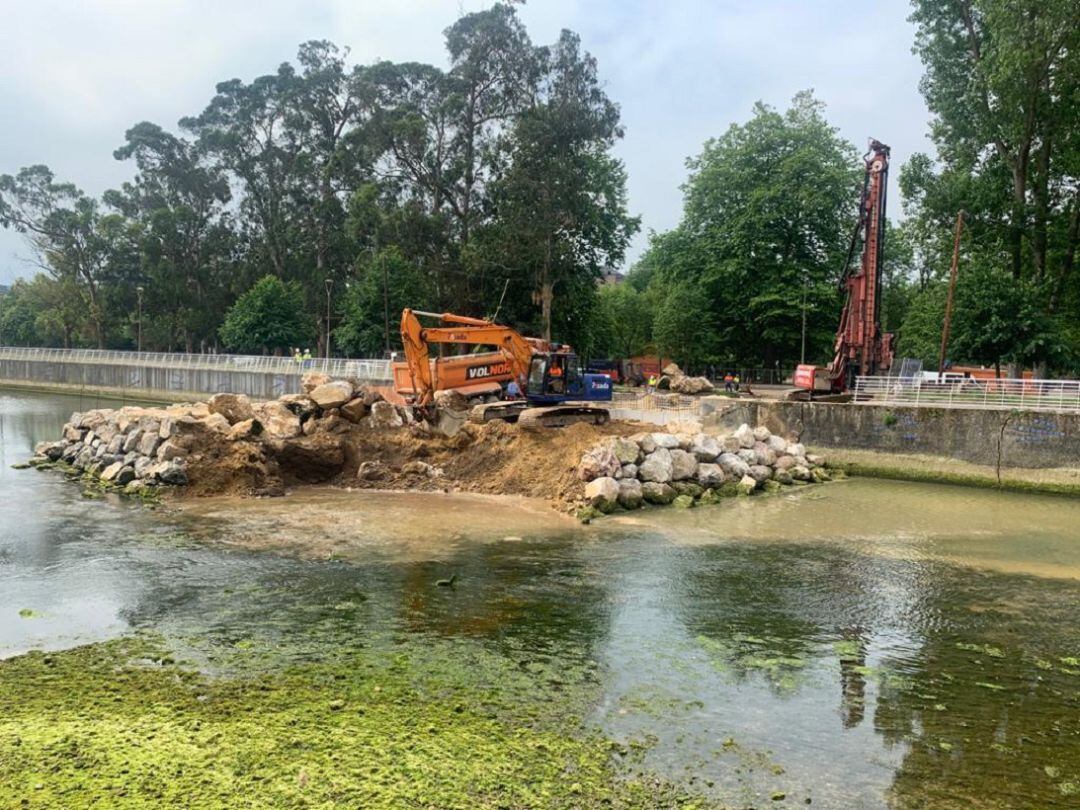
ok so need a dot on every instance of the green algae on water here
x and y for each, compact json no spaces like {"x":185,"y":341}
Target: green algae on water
{"x":452,"y":727}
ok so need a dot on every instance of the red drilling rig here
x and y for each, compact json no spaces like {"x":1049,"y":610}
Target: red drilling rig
{"x":861,"y":347}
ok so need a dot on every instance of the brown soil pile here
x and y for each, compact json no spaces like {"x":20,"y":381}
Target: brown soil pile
{"x":496,"y":458}
{"x":234,"y":468}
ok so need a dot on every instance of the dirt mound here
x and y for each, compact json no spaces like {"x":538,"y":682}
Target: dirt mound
{"x":234,"y":468}
{"x":497,"y":458}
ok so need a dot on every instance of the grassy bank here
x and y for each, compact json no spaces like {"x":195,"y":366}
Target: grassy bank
{"x":941,"y":470}
{"x":446,"y":725}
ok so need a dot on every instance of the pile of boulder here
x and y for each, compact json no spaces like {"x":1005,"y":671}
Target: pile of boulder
{"x":673,"y":379}
{"x":687,"y":467}
{"x":136,"y":448}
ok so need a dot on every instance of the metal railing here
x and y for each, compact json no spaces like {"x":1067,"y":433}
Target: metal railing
{"x":992,"y":394}
{"x":362,"y":369}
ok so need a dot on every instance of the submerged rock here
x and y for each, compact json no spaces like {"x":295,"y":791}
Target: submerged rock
{"x":658,"y":493}
{"x":631,"y":494}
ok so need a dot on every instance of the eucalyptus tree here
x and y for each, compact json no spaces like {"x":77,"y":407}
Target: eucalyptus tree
{"x":561,"y":200}
{"x":186,"y":245}
{"x":64,"y":227}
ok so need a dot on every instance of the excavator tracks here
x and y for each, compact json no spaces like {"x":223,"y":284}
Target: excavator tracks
{"x":489,"y":411}
{"x":562,"y":415}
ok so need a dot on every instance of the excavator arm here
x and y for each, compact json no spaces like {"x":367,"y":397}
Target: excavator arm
{"x":457,"y":329}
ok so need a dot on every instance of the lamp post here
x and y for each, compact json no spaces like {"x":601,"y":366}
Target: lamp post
{"x":139,"y":292}
{"x":329,"y":287}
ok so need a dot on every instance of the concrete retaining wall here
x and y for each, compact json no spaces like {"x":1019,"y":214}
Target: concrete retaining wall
{"x":145,"y":382}
{"x":1024,"y":439}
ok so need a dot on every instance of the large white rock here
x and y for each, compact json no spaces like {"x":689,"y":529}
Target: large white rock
{"x":683,"y":465}
{"x":760,"y":472}
{"x":332,"y":394}
{"x":657,"y":467}
{"x":645,"y":441}
{"x":383,"y":416}
{"x":626,"y":451}
{"x":629,"y":470}
{"x":598,"y":462}
{"x":710,"y":475}
{"x":744,"y":436}
{"x":762,"y":433}
{"x":277,"y":420}
{"x":733,"y":465}
{"x":778,"y":444}
{"x":764,"y":454}
{"x":730,"y":443}
{"x":312,"y":380}
{"x":785,"y":462}
{"x":602,"y":493}
{"x":705,"y":447}
{"x":667,"y":441}
{"x":796,"y":449}
{"x":748,"y":455}
{"x":234,"y":407}
{"x":148,"y":445}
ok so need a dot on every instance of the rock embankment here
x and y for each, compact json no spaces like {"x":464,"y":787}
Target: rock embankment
{"x":227,"y":444}
{"x":690,"y":467}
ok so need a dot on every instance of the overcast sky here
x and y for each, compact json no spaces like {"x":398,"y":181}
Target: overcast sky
{"x":74,"y":74}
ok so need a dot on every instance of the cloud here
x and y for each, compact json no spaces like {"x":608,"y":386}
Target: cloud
{"x":75,"y":76}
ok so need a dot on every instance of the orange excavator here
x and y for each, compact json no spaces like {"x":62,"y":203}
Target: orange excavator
{"x":553,"y":391}
{"x":861,"y":347}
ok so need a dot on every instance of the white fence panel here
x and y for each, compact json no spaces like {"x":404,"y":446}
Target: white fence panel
{"x":992,"y":394}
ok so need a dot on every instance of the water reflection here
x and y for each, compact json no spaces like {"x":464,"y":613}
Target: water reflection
{"x":822,"y":647}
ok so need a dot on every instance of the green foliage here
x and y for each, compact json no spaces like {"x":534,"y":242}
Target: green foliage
{"x":493,"y":180}
{"x":371,"y":309}
{"x":920,"y":334}
{"x":995,"y":320}
{"x":684,"y":327}
{"x":624,"y":320}
{"x":768,"y":207}
{"x":1003,"y":83}
{"x":268,"y":317}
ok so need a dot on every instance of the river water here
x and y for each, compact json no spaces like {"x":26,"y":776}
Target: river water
{"x":857,"y":644}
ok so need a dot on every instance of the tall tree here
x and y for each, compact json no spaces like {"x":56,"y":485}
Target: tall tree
{"x":561,"y":202}
{"x":769,"y":207}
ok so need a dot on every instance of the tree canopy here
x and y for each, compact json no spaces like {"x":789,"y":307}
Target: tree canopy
{"x":485,"y":187}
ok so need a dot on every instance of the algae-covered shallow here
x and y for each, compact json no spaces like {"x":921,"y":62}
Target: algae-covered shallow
{"x":863,"y":644}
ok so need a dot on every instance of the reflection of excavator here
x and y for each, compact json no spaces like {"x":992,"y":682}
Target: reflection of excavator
{"x":556,"y":392}
{"x":861,"y":348}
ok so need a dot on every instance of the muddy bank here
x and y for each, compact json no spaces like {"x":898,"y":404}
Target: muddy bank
{"x":944,"y":470}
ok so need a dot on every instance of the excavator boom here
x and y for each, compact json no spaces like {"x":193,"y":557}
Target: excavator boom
{"x":416,"y":339}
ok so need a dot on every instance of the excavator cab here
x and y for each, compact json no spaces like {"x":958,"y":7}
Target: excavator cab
{"x":556,"y":377}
